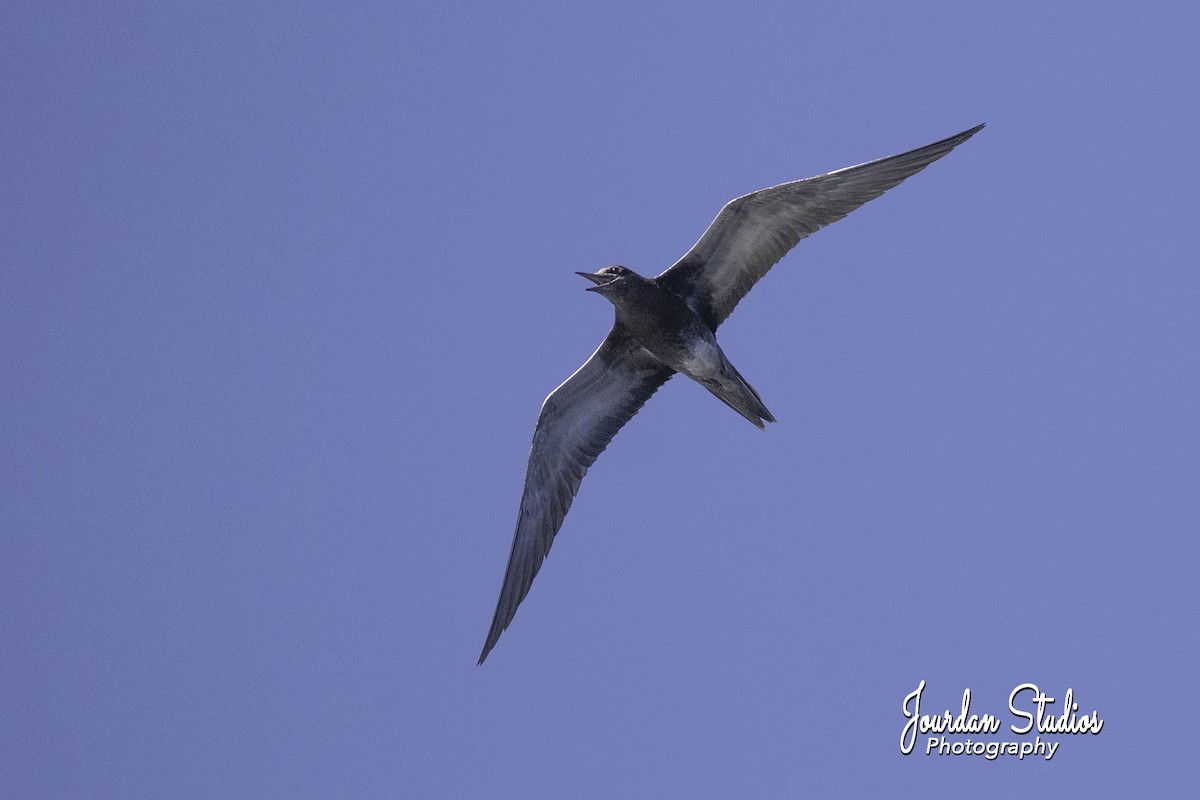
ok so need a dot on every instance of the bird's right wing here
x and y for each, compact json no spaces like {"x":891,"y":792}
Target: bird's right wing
{"x":576,"y":423}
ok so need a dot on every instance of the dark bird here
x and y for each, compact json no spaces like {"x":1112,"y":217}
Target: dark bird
{"x":668,"y":324}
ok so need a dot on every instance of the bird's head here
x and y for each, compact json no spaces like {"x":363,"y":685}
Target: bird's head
{"x":612,"y":281}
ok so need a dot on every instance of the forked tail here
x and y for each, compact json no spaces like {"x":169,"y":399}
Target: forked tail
{"x":734,"y":391}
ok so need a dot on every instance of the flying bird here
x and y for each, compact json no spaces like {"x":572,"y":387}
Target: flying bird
{"x":667,"y":324}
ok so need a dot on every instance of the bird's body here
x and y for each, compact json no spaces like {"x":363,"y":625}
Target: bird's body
{"x":670,"y":330}
{"x":668,"y":324}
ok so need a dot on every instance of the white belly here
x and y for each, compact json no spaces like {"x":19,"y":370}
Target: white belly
{"x":705,"y":361}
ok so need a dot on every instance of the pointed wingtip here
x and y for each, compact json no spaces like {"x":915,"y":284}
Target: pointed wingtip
{"x":950,"y":142}
{"x":493,"y":637}
{"x":969,"y":132}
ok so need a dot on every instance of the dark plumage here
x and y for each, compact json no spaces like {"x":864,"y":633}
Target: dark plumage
{"x":667,"y":324}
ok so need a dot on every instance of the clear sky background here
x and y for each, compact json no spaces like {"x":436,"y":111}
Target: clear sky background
{"x":283,"y":286}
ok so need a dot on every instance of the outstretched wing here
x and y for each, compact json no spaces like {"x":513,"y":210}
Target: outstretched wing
{"x":753,"y":232}
{"x":577,"y":422}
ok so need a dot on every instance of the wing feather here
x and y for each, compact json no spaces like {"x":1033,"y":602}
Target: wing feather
{"x":754,"y":231}
{"x":576,"y":423}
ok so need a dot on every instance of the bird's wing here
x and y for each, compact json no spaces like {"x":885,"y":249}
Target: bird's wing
{"x":753,"y":232}
{"x":576,"y":423}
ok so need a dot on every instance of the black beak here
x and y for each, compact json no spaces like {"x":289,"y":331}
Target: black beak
{"x":596,"y":278}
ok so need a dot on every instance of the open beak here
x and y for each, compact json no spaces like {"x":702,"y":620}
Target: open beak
{"x":596,"y":278}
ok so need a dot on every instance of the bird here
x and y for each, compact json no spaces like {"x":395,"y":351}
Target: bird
{"x":666,"y":325}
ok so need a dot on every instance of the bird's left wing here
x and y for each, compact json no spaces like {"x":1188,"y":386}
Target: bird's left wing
{"x":754,"y":231}
{"x":576,"y":423}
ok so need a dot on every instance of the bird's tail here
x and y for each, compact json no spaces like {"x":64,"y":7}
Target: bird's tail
{"x":734,"y":391}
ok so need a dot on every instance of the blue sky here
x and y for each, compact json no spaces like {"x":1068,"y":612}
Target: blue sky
{"x":284,"y":286}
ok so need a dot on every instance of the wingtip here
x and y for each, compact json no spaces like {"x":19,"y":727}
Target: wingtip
{"x":969,"y":132}
{"x":493,"y":637}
